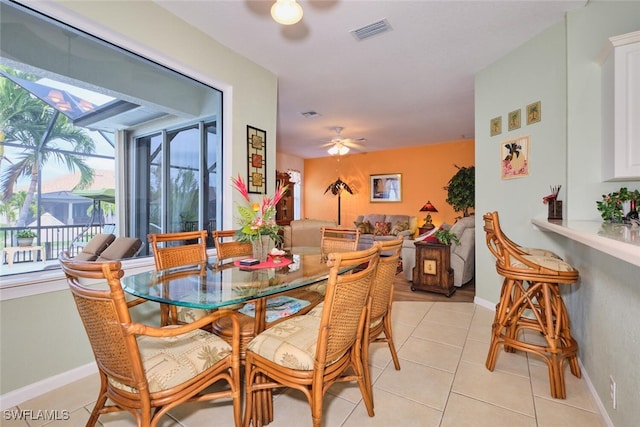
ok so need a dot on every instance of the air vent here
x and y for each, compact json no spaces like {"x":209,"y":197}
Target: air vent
{"x":371,"y":29}
{"x":310,"y":114}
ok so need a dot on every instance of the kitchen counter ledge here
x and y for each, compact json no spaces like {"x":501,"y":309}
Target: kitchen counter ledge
{"x":617,"y":240}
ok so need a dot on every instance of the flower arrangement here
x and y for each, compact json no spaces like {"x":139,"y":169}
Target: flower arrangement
{"x":610,"y":206}
{"x":257,"y":219}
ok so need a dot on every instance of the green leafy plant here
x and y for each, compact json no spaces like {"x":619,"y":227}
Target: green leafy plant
{"x":610,"y":207}
{"x":446,"y":237}
{"x":461,"y":190}
{"x":26,"y":234}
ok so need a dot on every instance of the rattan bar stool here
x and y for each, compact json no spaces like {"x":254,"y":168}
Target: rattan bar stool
{"x":530,"y":300}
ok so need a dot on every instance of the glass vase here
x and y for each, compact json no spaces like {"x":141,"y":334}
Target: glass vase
{"x":262,"y":246}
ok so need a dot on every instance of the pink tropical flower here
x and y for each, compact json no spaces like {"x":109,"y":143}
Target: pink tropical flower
{"x":257,"y":219}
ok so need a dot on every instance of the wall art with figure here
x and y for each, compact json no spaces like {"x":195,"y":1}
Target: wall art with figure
{"x":514,"y":158}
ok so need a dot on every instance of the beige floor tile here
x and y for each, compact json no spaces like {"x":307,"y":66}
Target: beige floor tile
{"x":464,"y":411}
{"x":441,"y":315}
{"x":578,"y":394}
{"x":68,"y":398}
{"x":392,"y":410}
{"x":446,"y":334}
{"x":349,"y":390}
{"x":292,"y":410}
{"x":440,"y":371}
{"x":430,"y":353}
{"x":409,"y":312}
{"x":201,"y":413}
{"x":401,"y":332}
{"x":416,"y":382}
{"x":475,"y":352}
{"x":77,"y":418}
{"x":461,"y":307}
{"x":380,"y":355}
{"x":551,"y":413}
{"x":512,"y":363}
{"x":506,"y":390}
{"x":13,"y":417}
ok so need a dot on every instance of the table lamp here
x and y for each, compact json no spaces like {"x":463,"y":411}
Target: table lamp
{"x":428,"y":207}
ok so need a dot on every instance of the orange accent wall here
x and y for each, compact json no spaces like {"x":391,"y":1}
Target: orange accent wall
{"x":425,"y":171}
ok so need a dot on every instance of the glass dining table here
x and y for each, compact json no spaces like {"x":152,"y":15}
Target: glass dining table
{"x":205,"y":287}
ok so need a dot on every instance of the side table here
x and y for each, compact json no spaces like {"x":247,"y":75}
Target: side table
{"x":11,"y":251}
{"x":433,"y":270}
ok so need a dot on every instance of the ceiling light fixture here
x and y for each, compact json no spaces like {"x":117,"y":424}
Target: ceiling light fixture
{"x":339,"y":149}
{"x":286,"y":12}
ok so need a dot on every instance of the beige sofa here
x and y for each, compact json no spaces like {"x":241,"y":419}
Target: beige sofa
{"x":462,"y":255}
{"x":404,"y":226}
{"x":304,"y":233}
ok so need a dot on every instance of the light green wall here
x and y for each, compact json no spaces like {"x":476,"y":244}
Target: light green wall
{"x":559,"y":68}
{"x":604,"y":306}
{"x":534,"y":72}
{"x":41,"y":335}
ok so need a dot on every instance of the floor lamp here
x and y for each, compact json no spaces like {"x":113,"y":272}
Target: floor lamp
{"x":337,"y":187}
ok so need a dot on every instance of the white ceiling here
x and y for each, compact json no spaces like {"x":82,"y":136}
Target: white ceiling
{"x":410,"y":86}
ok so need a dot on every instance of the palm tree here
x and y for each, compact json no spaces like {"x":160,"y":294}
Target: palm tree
{"x":30,"y":122}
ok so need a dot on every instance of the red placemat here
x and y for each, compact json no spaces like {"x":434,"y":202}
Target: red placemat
{"x":267,"y":264}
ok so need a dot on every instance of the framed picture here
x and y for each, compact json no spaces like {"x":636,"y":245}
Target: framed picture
{"x":514,"y":158}
{"x":386,"y":188}
{"x":495,"y":126}
{"x":257,"y":160}
{"x":534,"y":113}
{"x":514,"y":120}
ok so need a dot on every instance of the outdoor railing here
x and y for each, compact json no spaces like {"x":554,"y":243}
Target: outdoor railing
{"x":58,"y":238}
{"x":54,"y":238}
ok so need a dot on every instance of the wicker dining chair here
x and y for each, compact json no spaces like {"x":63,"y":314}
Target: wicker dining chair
{"x":338,"y":240}
{"x":310,"y":353}
{"x":147,"y":370}
{"x":381,"y":301}
{"x":228,"y":247}
{"x":180,"y":249}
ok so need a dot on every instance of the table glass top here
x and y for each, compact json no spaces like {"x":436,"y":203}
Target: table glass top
{"x":206,"y":287}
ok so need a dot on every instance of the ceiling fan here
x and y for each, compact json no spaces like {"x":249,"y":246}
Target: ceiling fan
{"x":341,"y":146}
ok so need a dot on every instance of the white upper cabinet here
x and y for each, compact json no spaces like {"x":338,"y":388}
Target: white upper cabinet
{"x":621,"y":108}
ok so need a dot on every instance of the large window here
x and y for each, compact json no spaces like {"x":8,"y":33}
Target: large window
{"x":176,"y":179}
{"x":147,"y":135}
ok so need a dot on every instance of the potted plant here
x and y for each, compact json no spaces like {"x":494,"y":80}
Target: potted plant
{"x":446,"y":237}
{"x":611,"y":205}
{"x":25,"y":237}
{"x":461,"y":190}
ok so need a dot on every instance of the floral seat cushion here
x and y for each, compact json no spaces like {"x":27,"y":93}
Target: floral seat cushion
{"x":291,"y":343}
{"x":169,"y":362}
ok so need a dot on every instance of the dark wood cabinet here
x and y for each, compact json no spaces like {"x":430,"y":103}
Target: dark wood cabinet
{"x":433,"y":270}
{"x":284,"y":208}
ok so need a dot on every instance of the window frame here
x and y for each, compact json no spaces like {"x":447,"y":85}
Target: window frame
{"x":39,"y":282}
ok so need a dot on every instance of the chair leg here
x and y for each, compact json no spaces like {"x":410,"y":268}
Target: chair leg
{"x":389,"y":334}
{"x":100,"y":402}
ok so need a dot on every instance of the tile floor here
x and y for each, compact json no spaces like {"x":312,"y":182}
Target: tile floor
{"x":442,"y":382}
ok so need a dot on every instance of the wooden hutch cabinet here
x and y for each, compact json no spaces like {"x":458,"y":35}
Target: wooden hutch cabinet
{"x":433,"y":270}
{"x":284,"y":208}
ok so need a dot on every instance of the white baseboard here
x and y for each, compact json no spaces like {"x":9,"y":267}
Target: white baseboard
{"x":15,"y":397}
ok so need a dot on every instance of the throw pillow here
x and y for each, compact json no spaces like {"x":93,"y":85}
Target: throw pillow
{"x":381,"y":228}
{"x":399,"y":227}
{"x":364,"y":227}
